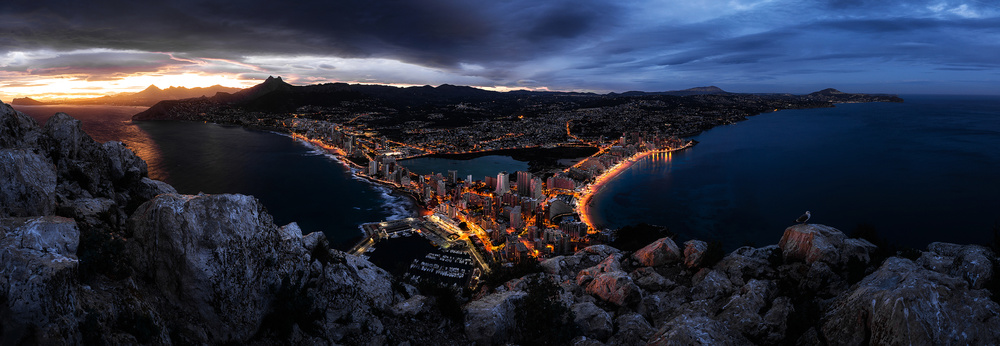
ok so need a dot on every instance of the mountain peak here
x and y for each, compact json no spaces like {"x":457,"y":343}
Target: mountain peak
{"x":152,"y":87}
{"x":706,"y":89}
{"x":275,"y":80}
{"x":829,"y":91}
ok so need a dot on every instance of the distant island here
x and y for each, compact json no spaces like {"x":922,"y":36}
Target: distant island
{"x":148,"y":97}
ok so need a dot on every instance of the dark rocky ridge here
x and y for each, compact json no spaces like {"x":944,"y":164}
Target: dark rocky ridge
{"x":148,"y":97}
{"x":93,"y":251}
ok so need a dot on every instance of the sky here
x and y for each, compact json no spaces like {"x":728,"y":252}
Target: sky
{"x":69,"y":48}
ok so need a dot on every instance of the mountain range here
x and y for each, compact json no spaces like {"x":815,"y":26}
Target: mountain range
{"x":147,"y":97}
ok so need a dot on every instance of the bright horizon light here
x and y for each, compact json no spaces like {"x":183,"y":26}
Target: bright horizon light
{"x":73,"y":87}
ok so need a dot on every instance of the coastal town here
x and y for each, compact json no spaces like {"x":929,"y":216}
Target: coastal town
{"x":507,"y":218}
{"x":574,"y":143}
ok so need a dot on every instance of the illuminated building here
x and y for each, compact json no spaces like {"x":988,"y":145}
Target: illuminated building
{"x":516,"y":221}
{"x":452,"y":176}
{"x":503,"y":183}
{"x":561,"y":182}
{"x":523,"y":183}
{"x":537,"y":190}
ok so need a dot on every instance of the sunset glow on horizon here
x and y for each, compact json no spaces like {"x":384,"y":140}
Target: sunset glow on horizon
{"x":61,"y":88}
{"x":71,"y":50}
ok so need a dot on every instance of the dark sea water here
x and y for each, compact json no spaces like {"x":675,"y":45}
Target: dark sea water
{"x":294,"y":181}
{"x":479,"y":167}
{"x":922,"y":171}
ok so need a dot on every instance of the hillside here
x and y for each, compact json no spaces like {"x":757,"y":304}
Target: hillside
{"x":148,"y":97}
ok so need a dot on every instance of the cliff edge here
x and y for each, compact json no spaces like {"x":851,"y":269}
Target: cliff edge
{"x":92,"y":251}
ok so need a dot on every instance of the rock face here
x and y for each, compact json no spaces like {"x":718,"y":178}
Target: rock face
{"x":38,"y":280}
{"x":490,"y":321}
{"x":208,"y":254}
{"x":694,"y":252}
{"x":902,"y":303}
{"x":660,"y":252}
{"x":609,"y":282}
{"x":93,"y":251}
{"x":811,"y":243}
{"x":221,"y":259}
{"x":18,"y":130}
{"x":592,"y":321}
{"x":973,"y":263}
{"x":28,"y":183}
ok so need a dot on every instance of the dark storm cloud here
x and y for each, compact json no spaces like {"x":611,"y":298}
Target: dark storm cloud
{"x":596,"y":44}
{"x":431,"y":33}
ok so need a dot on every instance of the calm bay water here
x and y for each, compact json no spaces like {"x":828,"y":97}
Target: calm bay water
{"x":479,"y":167}
{"x":295,"y":182}
{"x":922,"y":171}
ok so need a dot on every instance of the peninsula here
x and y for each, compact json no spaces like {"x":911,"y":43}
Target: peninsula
{"x":509,"y":217}
{"x":95,"y":252}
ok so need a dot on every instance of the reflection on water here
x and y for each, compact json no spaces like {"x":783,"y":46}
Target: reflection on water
{"x":107,"y":123}
{"x":296,"y":183}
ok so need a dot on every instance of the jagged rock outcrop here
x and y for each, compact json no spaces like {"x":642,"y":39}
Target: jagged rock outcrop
{"x":659,"y":252}
{"x":903,"y":303}
{"x":490,"y":321}
{"x":93,"y":251}
{"x":697,"y":330}
{"x":18,"y":130}
{"x":973,"y":263}
{"x":592,"y":320}
{"x":694,"y":252}
{"x":38,"y":281}
{"x":208,"y":255}
{"x":608,"y":282}
{"x":27,"y":183}
{"x":812,"y":242}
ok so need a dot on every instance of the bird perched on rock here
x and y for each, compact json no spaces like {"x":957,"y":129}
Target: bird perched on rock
{"x":805,"y":217}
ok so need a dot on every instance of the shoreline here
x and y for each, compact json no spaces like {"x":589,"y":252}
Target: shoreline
{"x":582,"y":207}
{"x":381,"y":186}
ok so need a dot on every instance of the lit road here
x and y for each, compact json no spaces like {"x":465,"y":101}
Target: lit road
{"x":465,"y":237}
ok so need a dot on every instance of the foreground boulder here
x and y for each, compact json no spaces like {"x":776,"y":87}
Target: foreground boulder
{"x":207,"y":254}
{"x":490,"y":320}
{"x":608,"y":282}
{"x":902,"y":303}
{"x":27,"y":183}
{"x":221,"y":260}
{"x":38,"y":281}
{"x":974,"y":263}
{"x":18,"y":130}
{"x":659,"y":252}
{"x":813,"y":242}
{"x":694,"y":252}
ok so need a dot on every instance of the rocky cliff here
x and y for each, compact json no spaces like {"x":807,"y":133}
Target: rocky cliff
{"x":93,"y":252}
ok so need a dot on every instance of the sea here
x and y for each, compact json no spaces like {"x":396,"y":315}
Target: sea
{"x":295,"y":181}
{"x":480,"y":167}
{"x":926,"y":170}
{"x":917,"y":172}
